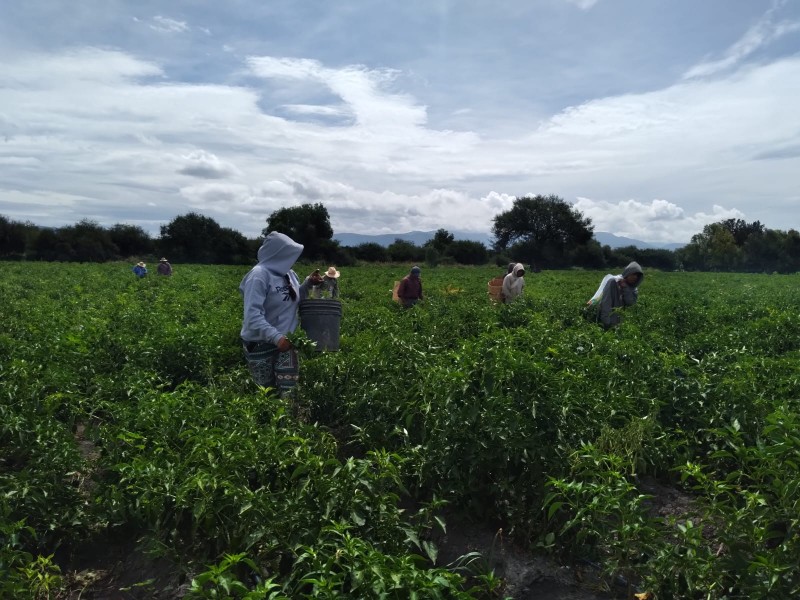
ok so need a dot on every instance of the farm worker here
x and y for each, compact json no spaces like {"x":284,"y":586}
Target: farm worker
{"x":164,"y":268}
{"x":410,"y":290}
{"x":499,"y":280}
{"x":330,"y":283}
{"x":271,"y":293}
{"x":140,"y":269}
{"x":616,"y":291}
{"x":314,"y":290}
{"x":514,"y":283}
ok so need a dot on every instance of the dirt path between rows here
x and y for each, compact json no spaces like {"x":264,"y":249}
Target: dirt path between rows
{"x":525,"y":576}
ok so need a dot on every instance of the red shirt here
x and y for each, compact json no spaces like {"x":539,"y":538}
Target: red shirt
{"x":410,"y":288}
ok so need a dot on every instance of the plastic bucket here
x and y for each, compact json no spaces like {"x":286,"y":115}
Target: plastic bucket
{"x":320,"y":319}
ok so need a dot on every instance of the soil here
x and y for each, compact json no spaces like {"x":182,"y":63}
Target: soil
{"x":119,"y":568}
{"x":525,"y":576}
{"x":116,"y":569}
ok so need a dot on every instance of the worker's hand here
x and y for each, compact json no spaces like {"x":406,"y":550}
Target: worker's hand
{"x":284,"y":345}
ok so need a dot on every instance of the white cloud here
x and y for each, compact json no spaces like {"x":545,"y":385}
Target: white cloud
{"x":206,"y":165}
{"x":309,"y":109}
{"x":656,"y":221}
{"x":217,"y":196}
{"x":583,"y":4}
{"x":364,"y":92}
{"x":167,"y":25}
{"x":73,"y":68}
{"x":764,"y":32}
{"x":20,"y":161}
{"x":109,"y":126}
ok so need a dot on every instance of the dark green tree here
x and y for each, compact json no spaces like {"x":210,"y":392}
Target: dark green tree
{"x":656,"y":258}
{"x":130,"y":240}
{"x":232,"y":248}
{"x":467,"y":252}
{"x":440,"y":241}
{"x":86,"y":241}
{"x":713,"y":249}
{"x":792,"y":251}
{"x":405,"y":251}
{"x":371,"y":252}
{"x":338,"y":255}
{"x":589,"y":255}
{"x":544,"y":230}
{"x":188,"y":238}
{"x":46,"y":245}
{"x":307,"y":224}
{"x":12,"y":238}
{"x":742,"y":230}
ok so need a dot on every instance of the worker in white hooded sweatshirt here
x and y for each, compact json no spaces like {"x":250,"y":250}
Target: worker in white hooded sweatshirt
{"x":272,"y":293}
{"x":514,"y":283}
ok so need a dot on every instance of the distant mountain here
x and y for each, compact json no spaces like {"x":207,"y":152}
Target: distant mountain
{"x":616,"y":241}
{"x":420,"y":237}
{"x":417,"y":238}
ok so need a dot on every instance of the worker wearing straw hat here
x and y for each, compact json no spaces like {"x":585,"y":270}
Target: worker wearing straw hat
{"x":330,"y":282}
{"x":164,"y":268}
{"x":140,"y":269}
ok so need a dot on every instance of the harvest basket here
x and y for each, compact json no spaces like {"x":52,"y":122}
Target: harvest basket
{"x":496,"y":289}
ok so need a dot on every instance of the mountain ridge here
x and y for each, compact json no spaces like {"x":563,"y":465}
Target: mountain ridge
{"x":420,"y":237}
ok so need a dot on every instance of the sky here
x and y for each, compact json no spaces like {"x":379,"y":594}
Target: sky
{"x":654,"y":118}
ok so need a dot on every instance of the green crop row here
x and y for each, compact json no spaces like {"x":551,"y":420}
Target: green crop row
{"x":126,"y":411}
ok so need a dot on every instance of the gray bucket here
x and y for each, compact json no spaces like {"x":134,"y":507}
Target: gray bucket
{"x":320,"y":320}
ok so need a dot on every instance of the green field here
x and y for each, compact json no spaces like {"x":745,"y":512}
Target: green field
{"x":128,"y":423}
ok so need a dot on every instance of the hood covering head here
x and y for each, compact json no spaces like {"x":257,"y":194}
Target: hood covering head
{"x":634,"y":268}
{"x":517,"y":268}
{"x":416,"y":271}
{"x":278,"y":253}
{"x":511,"y":268}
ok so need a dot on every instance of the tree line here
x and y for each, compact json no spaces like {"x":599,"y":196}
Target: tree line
{"x":545,"y":232}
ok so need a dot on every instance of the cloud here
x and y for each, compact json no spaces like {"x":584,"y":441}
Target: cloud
{"x":583,"y":4}
{"x":20,"y":161}
{"x":362,"y":90}
{"x":217,"y":196}
{"x":309,"y":109}
{"x":206,"y":166}
{"x":167,"y":25}
{"x":656,"y":221}
{"x":105,"y":125}
{"x":779,"y":152}
{"x":72,"y":68}
{"x":351,"y":209}
{"x":764,"y":32}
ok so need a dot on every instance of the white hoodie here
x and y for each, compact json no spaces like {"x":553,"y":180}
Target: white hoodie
{"x":513,"y":285}
{"x":269,"y":311}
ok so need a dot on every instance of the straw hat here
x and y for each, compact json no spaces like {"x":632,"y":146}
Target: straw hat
{"x":140,"y":264}
{"x":163,"y":260}
{"x":332,"y":273}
